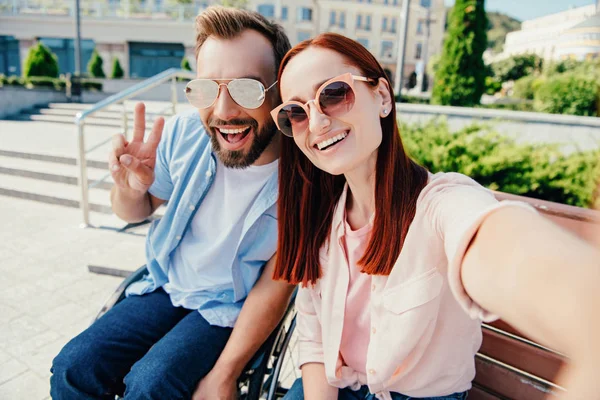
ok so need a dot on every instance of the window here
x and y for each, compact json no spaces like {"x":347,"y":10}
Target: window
{"x":304,"y":14}
{"x":359,"y":21}
{"x":343,"y":19}
{"x":302,"y":36}
{"x":395,"y":2}
{"x":393,"y":27}
{"x":368,"y":23}
{"x":364,"y":42}
{"x":384,"y":24}
{"x":426,"y":3}
{"x":385,"y":2}
{"x":284,"y":13}
{"x":420,"y":28}
{"x":332,"y":18}
{"x":418,"y":51}
{"x":266,"y":10}
{"x":387,"y":49}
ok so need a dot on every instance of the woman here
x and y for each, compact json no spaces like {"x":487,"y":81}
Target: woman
{"x":398,"y":267}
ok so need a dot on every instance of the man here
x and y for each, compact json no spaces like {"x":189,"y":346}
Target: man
{"x":217,"y":168}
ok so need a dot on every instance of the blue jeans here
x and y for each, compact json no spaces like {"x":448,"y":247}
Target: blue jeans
{"x":296,"y":392}
{"x":143,"y":348}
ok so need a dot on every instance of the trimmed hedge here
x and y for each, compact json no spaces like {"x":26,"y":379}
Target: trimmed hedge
{"x":45,"y":82}
{"x":499,"y":163}
{"x":41,"y":61}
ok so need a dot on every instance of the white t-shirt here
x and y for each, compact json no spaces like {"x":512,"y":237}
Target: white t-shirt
{"x":203,"y":259}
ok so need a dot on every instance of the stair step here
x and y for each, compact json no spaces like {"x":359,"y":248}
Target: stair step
{"x":53,"y":172}
{"x":53,"y":159}
{"x":53,"y":193}
{"x":108,"y":114}
{"x":66,"y":119}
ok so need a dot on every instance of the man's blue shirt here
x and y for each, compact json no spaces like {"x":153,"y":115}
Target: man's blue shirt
{"x":184,"y":172}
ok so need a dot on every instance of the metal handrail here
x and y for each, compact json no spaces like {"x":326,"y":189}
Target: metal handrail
{"x":171,"y":74}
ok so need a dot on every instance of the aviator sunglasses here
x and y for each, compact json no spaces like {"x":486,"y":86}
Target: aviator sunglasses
{"x":246,"y":92}
{"x":334,"y":98}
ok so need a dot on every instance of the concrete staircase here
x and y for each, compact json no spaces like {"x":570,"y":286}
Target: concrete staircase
{"x":112,"y":116}
{"x":38,"y":153}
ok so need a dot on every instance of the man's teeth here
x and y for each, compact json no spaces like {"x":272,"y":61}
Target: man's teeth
{"x":331,"y":141}
{"x":233,"y":131}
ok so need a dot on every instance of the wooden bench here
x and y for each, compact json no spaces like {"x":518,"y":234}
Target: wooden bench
{"x":509,"y":365}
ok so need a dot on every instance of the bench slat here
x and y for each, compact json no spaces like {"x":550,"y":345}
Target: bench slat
{"x":508,"y":382}
{"x":540,"y":362}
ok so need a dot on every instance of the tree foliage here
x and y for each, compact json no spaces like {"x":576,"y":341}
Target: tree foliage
{"x":460,"y":80}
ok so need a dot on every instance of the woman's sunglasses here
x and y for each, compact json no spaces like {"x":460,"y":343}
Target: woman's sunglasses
{"x":334,"y":98}
{"x":248,"y":93}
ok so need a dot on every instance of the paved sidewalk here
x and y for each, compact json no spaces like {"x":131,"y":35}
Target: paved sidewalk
{"x":48,"y":295}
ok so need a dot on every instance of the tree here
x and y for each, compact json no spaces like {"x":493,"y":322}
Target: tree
{"x":117,"y":71}
{"x":94,"y":66}
{"x":41,"y":62}
{"x":460,"y":80}
{"x":185,"y":64}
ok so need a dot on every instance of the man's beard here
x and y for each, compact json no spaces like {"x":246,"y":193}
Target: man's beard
{"x":237,"y":158}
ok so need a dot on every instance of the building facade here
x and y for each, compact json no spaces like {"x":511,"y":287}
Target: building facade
{"x":543,"y":36}
{"x":150,"y":36}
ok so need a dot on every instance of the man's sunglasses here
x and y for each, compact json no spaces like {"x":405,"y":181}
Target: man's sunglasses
{"x":334,"y":98}
{"x":247,"y":93}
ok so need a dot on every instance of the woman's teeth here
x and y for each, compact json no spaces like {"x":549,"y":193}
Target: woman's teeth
{"x":330,"y":141}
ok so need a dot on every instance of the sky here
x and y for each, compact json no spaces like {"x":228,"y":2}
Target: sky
{"x":528,"y":9}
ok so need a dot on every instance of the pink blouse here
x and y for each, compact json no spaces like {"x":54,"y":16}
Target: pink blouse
{"x":424,"y":328}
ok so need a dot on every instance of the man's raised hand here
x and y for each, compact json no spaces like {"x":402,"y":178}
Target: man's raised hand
{"x":132,"y":163}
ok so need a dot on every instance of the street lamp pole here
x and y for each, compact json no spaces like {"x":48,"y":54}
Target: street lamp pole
{"x":401,"y":48}
{"x":77,"y":39}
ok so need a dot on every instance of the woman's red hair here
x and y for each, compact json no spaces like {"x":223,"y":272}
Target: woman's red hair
{"x":308,"y":195}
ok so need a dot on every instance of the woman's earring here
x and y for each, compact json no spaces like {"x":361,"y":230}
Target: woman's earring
{"x":385,"y":112}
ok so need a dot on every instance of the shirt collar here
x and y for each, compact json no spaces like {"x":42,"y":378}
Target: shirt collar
{"x":339,"y":215}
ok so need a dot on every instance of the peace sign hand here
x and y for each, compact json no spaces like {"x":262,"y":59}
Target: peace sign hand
{"x":132,"y":163}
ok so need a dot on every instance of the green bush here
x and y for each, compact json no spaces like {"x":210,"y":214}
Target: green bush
{"x":185,"y":64}
{"x":117,"y":71}
{"x":568,"y":93}
{"x":91,"y":85}
{"x":517,"y":67}
{"x":524,"y":87}
{"x":40,"y":61}
{"x":497,"y":162}
{"x":42,"y":81}
{"x":460,"y":78}
{"x":94,"y":66}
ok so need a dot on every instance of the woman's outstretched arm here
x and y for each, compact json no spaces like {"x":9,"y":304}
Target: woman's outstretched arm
{"x":544,"y":281}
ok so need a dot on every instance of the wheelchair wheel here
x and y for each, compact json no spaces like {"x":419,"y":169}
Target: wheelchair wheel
{"x":284,"y":367}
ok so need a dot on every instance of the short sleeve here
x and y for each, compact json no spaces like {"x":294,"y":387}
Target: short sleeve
{"x":457,"y":206}
{"x":162,"y":187}
{"x":308,"y":327}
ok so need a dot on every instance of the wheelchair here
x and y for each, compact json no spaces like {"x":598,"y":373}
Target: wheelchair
{"x":271,"y":371}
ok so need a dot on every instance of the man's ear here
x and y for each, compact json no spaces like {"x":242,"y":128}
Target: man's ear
{"x":385,"y":93}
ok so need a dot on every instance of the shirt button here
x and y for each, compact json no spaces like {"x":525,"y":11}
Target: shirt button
{"x":208,"y":173}
{"x":373,"y":287}
{"x":374,"y":330}
{"x":178,"y":237}
{"x":192,"y":208}
{"x":372,"y":372}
